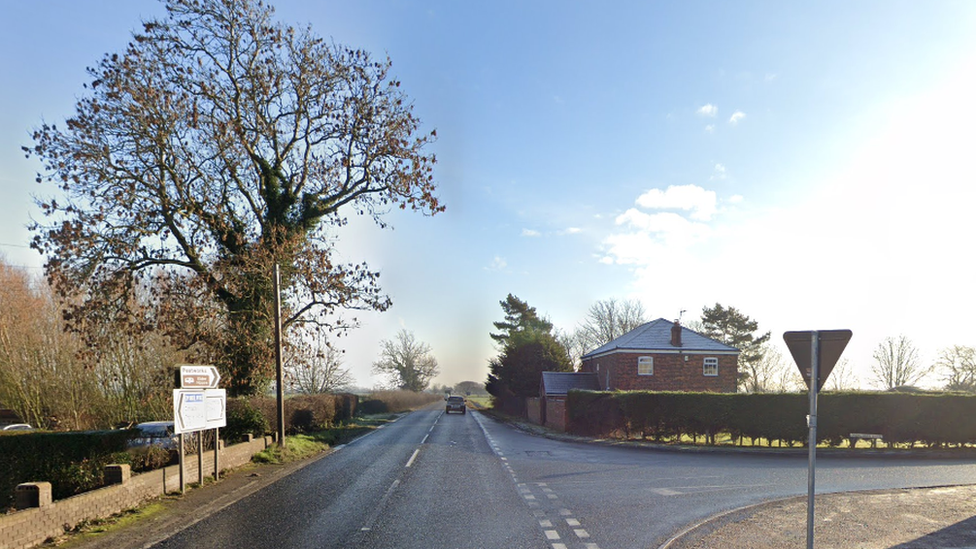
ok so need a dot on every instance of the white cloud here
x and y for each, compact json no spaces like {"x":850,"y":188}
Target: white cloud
{"x":770,"y":76}
{"x":710,"y":128}
{"x":736,"y":117}
{"x":736,"y":199}
{"x":497,"y":264}
{"x":718,"y":172}
{"x":708,"y":110}
{"x":530,"y":233}
{"x":692,"y":198}
{"x":571,"y":230}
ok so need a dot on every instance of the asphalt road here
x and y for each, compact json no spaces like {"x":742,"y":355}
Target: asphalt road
{"x":435,"y":480}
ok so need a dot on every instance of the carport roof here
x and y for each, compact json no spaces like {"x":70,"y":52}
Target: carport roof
{"x":561,"y":383}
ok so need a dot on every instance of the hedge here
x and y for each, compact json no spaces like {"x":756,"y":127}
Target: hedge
{"x":72,"y":462}
{"x":932,"y":420}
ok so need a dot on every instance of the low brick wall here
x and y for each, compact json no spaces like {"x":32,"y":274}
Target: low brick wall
{"x":30,"y":527}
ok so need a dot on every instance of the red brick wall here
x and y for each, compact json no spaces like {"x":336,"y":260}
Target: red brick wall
{"x":671,"y":372}
{"x":556,"y":413}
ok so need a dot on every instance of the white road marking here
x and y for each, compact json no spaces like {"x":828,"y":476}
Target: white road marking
{"x":572,"y":522}
{"x":581,"y":533}
{"x":552,"y":534}
{"x":413,"y":457}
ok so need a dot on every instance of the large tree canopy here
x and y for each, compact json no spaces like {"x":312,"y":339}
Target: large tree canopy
{"x":218,"y":143}
{"x":407,"y":363}
{"x":528,"y":348}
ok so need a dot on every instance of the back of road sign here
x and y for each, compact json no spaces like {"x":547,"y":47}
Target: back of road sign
{"x":831,"y":344}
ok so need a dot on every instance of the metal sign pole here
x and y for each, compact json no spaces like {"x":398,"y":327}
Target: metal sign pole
{"x":812,"y":421}
{"x":182,"y":468}
{"x":200,"y":457}
{"x":217,"y":453}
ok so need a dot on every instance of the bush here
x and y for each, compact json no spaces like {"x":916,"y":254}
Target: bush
{"x":308,"y":413}
{"x":244,"y":418}
{"x":373,"y":406}
{"x":901,"y":418}
{"x":72,"y":462}
{"x":396,"y":401}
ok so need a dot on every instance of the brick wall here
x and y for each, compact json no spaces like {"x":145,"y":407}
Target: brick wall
{"x":672,"y":372}
{"x":30,"y":527}
{"x":556,"y":413}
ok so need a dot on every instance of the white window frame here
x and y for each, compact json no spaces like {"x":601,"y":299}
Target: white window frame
{"x":645,"y":361}
{"x":710,"y":366}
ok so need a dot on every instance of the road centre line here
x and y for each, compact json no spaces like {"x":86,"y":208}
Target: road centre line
{"x":413,"y":457}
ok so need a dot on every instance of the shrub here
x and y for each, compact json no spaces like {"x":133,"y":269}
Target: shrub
{"x":244,"y":418}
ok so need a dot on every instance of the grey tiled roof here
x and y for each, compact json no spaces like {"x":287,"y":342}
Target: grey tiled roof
{"x":656,"y":336}
{"x":560,"y":383}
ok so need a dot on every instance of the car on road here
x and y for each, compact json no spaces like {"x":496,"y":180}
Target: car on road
{"x":455,"y":404}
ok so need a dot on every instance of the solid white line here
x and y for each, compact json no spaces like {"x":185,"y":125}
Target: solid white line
{"x":413,"y":457}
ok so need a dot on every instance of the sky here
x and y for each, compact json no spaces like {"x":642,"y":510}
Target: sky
{"x":808,"y":164}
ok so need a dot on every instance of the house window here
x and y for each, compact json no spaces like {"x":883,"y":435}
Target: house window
{"x":645,"y":366}
{"x":711,"y":367}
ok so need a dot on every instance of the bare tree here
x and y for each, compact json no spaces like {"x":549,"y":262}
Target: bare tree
{"x":896,"y":363}
{"x":763,"y":374}
{"x":407,"y":363}
{"x":574,"y":345}
{"x":609,"y":319}
{"x":842,"y":377}
{"x":314,"y":366}
{"x":218,"y":143}
{"x":957,"y":367}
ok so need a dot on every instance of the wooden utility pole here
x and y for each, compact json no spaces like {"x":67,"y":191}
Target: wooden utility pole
{"x":278,"y":368}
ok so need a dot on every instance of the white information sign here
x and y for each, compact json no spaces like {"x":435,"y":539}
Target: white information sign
{"x":197,"y":410}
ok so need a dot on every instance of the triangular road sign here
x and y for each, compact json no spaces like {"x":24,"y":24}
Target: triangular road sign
{"x":831,"y":344}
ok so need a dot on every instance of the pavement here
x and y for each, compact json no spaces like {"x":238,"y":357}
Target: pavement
{"x":942,"y":517}
{"x":903,"y":519}
{"x":182,"y":511}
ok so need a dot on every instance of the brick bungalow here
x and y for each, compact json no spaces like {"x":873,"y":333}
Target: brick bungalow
{"x":664,"y":356}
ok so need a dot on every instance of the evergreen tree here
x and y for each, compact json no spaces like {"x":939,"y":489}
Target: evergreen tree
{"x":731,"y":327}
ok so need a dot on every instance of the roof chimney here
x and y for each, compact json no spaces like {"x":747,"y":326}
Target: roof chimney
{"x":676,"y":334}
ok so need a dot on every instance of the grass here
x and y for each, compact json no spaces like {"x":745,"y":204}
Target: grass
{"x":304,"y":446}
{"x":479,"y":402}
{"x":91,"y":529}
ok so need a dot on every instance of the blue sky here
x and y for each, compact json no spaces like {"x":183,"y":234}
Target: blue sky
{"x":809,"y":164}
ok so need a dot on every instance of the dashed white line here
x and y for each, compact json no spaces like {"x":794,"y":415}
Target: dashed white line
{"x":413,"y":457}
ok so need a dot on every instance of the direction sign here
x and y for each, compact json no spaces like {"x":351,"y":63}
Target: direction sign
{"x":199,"y":409}
{"x":831,"y":344}
{"x":199,"y":377}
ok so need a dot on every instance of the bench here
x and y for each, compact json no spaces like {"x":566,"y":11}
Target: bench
{"x":874,"y":438}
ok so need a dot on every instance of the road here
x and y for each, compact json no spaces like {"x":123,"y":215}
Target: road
{"x":435,"y":480}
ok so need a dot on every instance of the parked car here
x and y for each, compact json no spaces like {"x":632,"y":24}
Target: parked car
{"x":18,"y":427}
{"x":455,"y":404}
{"x":155,"y":433}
